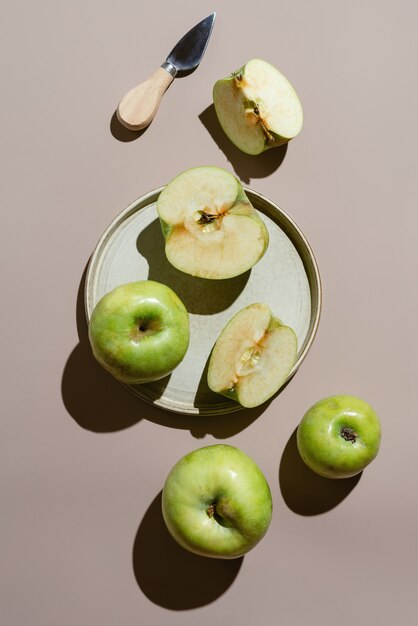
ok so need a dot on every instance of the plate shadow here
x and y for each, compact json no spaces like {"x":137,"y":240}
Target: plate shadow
{"x":100,"y":403}
{"x":171,"y":576}
{"x":246,"y":166}
{"x":305,"y":492}
{"x":200,"y":295}
{"x":223,"y":424}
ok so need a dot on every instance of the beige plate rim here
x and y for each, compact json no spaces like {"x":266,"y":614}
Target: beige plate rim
{"x":291,"y":229}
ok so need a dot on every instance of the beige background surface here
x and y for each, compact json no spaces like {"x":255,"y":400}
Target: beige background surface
{"x":83,"y":461}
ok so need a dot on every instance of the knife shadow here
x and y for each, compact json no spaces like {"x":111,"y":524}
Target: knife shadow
{"x":121,"y":133}
{"x":246,"y":166}
{"x":125,"y":135}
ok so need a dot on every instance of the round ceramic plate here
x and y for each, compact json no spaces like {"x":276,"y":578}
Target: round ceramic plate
{"x":286,"y":278}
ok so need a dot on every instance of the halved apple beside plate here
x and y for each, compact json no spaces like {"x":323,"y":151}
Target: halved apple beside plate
{"x":257,"y":107}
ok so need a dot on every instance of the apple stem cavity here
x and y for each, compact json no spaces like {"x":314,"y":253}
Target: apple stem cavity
{"x":238,"y":79}
{"x":144,"y":328}
{"x":212,"y":512}
{"x":348,"y":434}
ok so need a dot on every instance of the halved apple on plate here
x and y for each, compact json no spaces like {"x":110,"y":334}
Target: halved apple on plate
{"x":210,"y":227}
{"x":257,"y":107}
{"x":252,"y":357}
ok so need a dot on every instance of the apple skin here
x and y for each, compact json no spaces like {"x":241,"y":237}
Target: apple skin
{"x":332,"y":452}
{"x":139,"y":331}
{"x":216,"y":502}
{"x":253,"y":103}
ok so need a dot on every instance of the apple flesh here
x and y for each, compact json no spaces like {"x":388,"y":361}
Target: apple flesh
{"x":210,"y":227}
{"x":216,"y":502}
{"x":139,"y":331}
{"x":339,"y":436}
{"x":252,"y":357}
{"x":257,"y":107}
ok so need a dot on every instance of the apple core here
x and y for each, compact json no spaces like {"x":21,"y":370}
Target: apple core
{"x":257,"y":107}
{"x":211,"y":229}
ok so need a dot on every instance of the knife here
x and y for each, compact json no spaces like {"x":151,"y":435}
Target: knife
{"x":138,"y":107}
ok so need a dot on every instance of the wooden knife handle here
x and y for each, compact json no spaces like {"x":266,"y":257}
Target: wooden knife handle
{"x":138,"y":107}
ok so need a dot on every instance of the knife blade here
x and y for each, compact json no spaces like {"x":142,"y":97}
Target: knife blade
{"x":138,"y":107}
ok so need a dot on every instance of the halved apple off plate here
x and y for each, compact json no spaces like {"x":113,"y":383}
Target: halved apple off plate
{"x":285,"y":281}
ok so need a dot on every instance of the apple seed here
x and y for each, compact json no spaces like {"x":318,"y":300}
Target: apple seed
{"x":249,"y":360}
{"x":267,"y":134}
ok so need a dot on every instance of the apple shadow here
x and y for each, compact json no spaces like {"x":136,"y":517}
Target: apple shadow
{"x":246,"y":166}
{"x":199,"y":295}
{"x":218,"y":426}
{"x":99,"y":403}
{"x":305,"y":492}
{"x":94,"y":398}
{"x":221,"y":423}
{"x":215,"y":419}
{"x":169,"y":575}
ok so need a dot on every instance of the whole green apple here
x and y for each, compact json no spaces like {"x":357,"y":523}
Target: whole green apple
{"x":139,"y":331}
{"x":339,"y":436}
{"x":216,"y":502}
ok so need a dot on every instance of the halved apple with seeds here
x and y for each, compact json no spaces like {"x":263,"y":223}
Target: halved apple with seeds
{"x":252,"y":357}
{"x":257,"y":107}
{"x":210,"y":227}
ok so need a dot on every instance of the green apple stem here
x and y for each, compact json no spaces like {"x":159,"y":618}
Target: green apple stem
{"x":348,"y":434}
{"x":211,"y":510}
{"x":237,"y":78}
